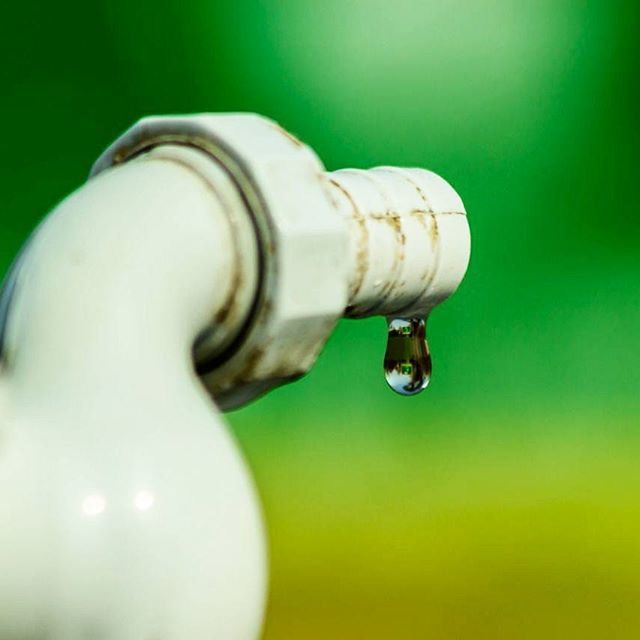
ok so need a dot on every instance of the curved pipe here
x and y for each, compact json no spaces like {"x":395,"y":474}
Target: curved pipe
{"x":126,"y":510}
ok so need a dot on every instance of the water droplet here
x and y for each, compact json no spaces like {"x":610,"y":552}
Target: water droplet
{"x":407,"y":362}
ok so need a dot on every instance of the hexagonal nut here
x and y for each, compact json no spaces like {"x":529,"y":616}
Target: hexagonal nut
{"x":302,"y":240}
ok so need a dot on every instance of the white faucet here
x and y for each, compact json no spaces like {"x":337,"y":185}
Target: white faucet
{"x":208,"y":257}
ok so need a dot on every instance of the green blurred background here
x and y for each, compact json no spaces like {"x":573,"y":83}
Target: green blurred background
{"x":504,"y":502}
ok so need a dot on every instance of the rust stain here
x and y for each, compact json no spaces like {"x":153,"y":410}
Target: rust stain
{"x":266,"y":309}
{"x":129,"y":149}
{"x":394,"y":220}
{"x":434,"y":232}
{"x":417,"y":187}
{"x":284,"y":374}
{"x":362,"y":257}
{"x":328,"y":185}
{"x":237,"y":278}
{"x":421,"y":216}
{"x":394,"y":281}
{"x":430,"y":276}
{"x":224,"y":311}
{"x":407,"y":177}
{"x":362,"y":254}
{"x":296,"y":142}
{"x":251,"y":362}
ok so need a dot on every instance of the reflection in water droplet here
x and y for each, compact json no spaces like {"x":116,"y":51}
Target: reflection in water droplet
{"x":407,"y":362}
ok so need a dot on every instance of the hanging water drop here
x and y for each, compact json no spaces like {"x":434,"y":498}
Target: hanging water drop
{"x":407,"y":362}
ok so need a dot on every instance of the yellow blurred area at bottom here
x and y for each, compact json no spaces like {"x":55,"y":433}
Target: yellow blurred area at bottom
{"x":503,"y":531}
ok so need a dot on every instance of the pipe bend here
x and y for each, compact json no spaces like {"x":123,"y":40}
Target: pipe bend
{"x":134,"y":266}
{"x":126,"y":508}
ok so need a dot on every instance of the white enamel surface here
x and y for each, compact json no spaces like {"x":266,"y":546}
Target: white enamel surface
{"x":126,"y":510}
